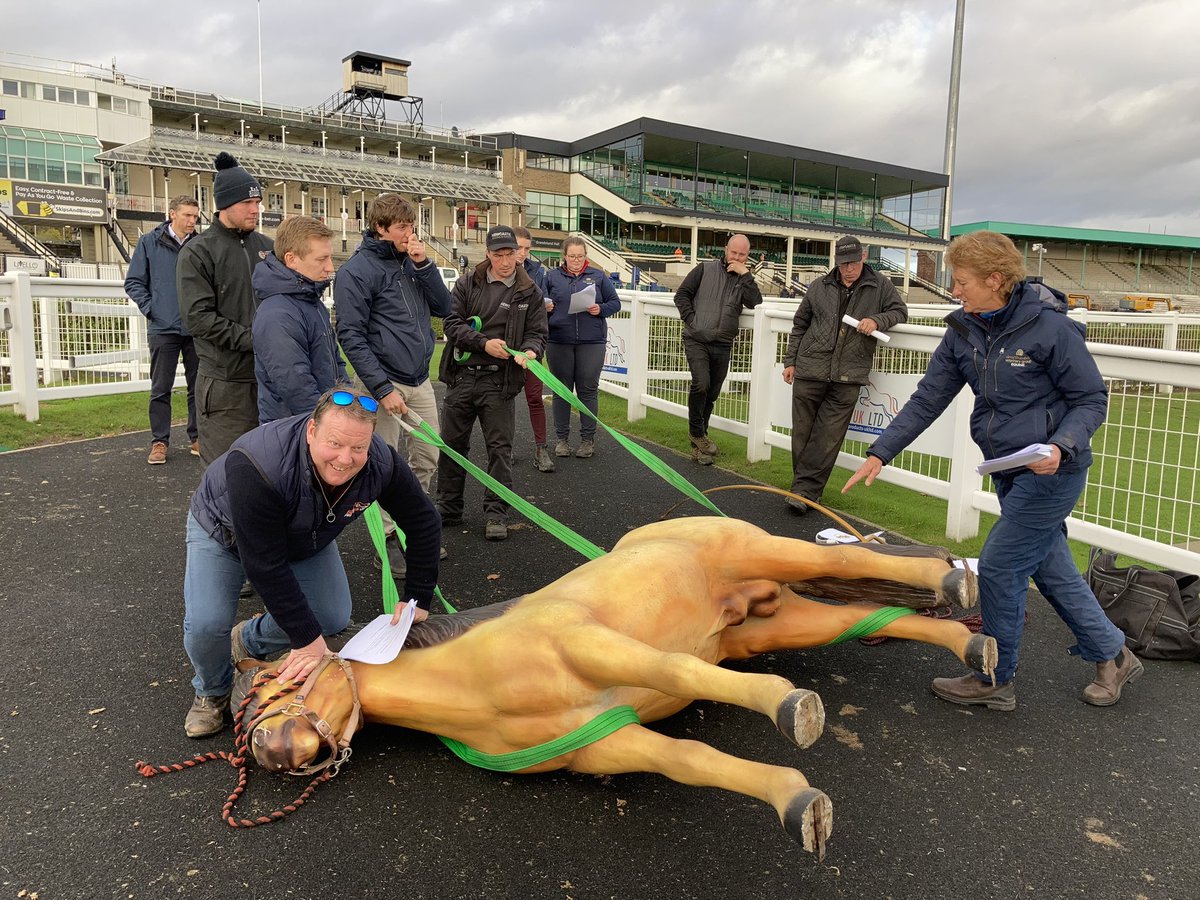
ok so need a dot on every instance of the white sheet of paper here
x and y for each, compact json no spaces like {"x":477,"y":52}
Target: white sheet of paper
{"x":1022,"y":457}
{"x":970,"y":563}
{"x":380,"y":641}
{"x":878,"y":335}
{"x":835,"y":536}
{"x":582,"y":301}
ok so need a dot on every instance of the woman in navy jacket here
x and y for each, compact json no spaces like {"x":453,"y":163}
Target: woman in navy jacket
{"x":578,"y":341}
{"x":1034,"y":382}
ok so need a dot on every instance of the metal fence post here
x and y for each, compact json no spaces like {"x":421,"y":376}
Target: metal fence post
{"x":639,"y":358}
{"x":20,"y":343}
{"x":762,"y":370}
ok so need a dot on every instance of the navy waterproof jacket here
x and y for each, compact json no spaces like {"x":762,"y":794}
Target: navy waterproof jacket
{"x":384,"y":302}
{"x":1033,"y":378}
{"x":259,"y":501}
{"x":150,"y":280}
{"x":296,"y":356}
{"x":580,"y":328}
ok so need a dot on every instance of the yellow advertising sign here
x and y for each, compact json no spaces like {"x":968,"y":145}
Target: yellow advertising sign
{"x":6,"y":195}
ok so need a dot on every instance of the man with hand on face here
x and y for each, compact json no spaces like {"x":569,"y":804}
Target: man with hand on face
{"x":150,"y":283}
{"x":385,"y":296}
{"x":296,"y":357}
{"x":497,"y":306}
{"x":216,"y":300}
{"x":710,"y":301}
{"x":270,"y":510}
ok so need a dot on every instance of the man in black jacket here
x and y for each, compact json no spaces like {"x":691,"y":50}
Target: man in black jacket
{"x":150,"y":283}
{"x":710,"y":301}
{"x":216,"y":300}
{"x":483,"y":377}
{"x":828,"y":361}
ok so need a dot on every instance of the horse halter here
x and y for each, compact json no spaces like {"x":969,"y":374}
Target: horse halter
{"x":339,"y":748}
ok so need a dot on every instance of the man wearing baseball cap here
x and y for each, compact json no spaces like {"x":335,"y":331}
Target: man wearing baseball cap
{"x":497,"y":306}
{"x":827,"y":361}
{"x":216,"y":300}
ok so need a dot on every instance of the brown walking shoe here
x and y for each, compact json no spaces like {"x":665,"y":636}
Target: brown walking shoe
{"x":206,"y":717}
{"x":968,"y":690}
{"x":195,"y":448}
{"x":699,"y":453}
{"x":542,"y":459}
{"x":585,"y":450}
{"x":1111,"y":676}
{"x":158,"y":454}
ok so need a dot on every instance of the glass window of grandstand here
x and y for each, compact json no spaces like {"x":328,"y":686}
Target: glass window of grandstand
{"x":548,"y":161}
{"x":670,"y":172}
{"x":854,"y":203}
{"x":895,"y":204}
{"x":813,"y":192}
{"x":617,"y":167}
{"x":48,"y":156}
{"x":769,"y":191}
{"x":722,"y":183}
{"x":548,"y":211}
{"x":927,"y":211}
{"x":599,"y":223}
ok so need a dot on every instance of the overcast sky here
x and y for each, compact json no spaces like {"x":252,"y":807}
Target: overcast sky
{"x":1073,"y":112}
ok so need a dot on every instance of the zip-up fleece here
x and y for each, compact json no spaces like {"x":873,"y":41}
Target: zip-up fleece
{"x":1033,"y":378}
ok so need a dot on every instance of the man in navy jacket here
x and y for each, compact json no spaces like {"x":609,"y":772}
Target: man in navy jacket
{"x":270,"y":510}
{"x":150,"y":283}
{"x":296,"y":356}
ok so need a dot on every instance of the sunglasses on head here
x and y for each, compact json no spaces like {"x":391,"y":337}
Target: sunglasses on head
{"x":345,"y":398}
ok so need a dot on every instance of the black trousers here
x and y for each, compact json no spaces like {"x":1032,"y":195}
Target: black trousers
{"x":821,"y":412}
{"x":165,"y":350}
{"x":225,"y":410}
{"x":476,"y":396}
{"x":709,"y":364}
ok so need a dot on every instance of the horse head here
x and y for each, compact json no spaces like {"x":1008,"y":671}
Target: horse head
{"x":287,"y":729}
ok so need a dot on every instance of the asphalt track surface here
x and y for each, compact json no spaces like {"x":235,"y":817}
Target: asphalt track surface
{"x":1056,"y":799}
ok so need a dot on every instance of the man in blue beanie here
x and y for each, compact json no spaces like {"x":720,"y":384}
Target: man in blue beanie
{"x":216,"y":300}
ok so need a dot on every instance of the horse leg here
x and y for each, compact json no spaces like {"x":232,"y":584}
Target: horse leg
{"x":606,"y":658}
{"x":788,"y":559}
{"x":800,"y":623}
{"x":806,"y":813}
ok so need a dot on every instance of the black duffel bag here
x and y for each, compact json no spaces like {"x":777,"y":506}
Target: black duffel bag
{"x":1159,"y":611}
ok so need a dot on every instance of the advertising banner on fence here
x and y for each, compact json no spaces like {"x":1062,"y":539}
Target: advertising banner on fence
{"x":615,"y":362}
{"x":53,"y":203}
{"x":878,"y":403}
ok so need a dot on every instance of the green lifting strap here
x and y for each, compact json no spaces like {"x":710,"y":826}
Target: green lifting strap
{"x":648,"y":459}
{"x":463,"y":355}
{"x":374,"y":519}
{"x":600,"y":727}
{"x":872,"y":623}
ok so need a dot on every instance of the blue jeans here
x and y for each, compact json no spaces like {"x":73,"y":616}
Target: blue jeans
{"x":211,"y":583}
{"x":1030,"y":540}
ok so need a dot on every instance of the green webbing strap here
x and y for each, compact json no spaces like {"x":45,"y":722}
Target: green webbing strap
{"x":648,"y":459}
{"x":600,"y":727}
{"x":463,"y":355}
{"x":374,"y":519}
{"x":872,"y":623}
{"x":573,"y":540}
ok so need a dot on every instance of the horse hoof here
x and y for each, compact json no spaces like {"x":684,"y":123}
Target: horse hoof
{"x":961,"y":586}
{"x":809,"y":820}
{"x":801,"y":717}
{"x":982,"y":654}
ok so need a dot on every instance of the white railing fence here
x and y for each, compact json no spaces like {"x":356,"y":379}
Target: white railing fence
{"x":1143,"y":497}
{"x":65,"y":337}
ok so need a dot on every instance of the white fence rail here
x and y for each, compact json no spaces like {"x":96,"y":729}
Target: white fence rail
{"x":62,"y":337}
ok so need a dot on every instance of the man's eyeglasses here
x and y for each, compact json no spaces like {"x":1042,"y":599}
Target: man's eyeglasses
{"x":345,"y":398}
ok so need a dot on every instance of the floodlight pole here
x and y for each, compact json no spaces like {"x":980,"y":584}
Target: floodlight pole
{"x":260,"y":80}
{"x":952,"y":126}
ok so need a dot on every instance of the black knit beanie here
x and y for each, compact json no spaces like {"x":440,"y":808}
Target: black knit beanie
{"x":232,"y":184}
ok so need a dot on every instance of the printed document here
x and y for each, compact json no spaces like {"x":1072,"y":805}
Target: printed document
{"x":380,"y":641}
{"x":582,"y":301}
{"x":1024,"y":457}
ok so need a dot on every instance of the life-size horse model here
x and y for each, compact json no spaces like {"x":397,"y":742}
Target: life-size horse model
{"x":644,"y":627}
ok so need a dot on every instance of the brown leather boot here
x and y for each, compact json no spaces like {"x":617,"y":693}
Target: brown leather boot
{"x":1111,"y":676}
{"x":970,"y":691}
